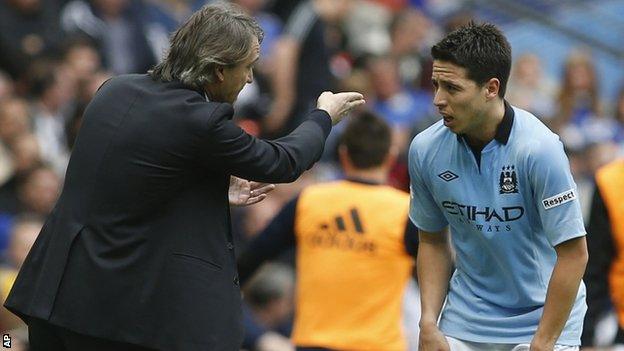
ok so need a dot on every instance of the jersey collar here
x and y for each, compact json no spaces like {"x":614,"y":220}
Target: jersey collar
{"x":504,"y":127}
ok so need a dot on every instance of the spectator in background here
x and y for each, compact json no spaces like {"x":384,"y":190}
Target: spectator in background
{"x":268,"y":307}
{"x":355,"y":248}
{"x":14,"y":122}
{"x":6,"y":86}
{"x":163,"y":17}
{"x":39,"y":191}
{"x":81,"y":57}
{"x":26,"y":157}
{"x":618,"y":115}
{"x":409,"y":31}
{"x":580,"y":117}
{"x":87,"y":87}
{"x":28,"y":29}
{"x":605,"y":241}
{"x":116,"y":27}
{"x":254,"y":101}
{"x":53,"y":88}
{"x":302,"y":63}
{"x":578,"y":97}
{"x":401,"y":108}
{"x":529,"y":89}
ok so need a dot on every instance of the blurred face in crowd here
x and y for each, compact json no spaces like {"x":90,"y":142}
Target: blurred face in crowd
{"x":580,"y":72}
{"x":23,"y":237}
{"x":385,"y":77}
{"x":26,"y":154}
{"x":460,"y":100}
{"x":409,"y":32}
{"x":232,"y":79}
{"x":528,"y":69}
{"x":26,"y":6}
{"x":83,"y":60}
{"x":13,"y":119}
{"x":6,"y":86}
{"x":40,"y":191}
{"x":111,"y":8}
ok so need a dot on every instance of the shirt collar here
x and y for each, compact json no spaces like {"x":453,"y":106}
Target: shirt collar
{"x":362,"y":181}
{"x":504,"y":127}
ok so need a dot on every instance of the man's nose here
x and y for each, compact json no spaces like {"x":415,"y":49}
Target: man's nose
{"x":439,"y":100}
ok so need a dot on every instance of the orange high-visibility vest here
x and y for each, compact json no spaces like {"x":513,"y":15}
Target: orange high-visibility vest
{"x":610,"y":182}
{"x":352,"y":267}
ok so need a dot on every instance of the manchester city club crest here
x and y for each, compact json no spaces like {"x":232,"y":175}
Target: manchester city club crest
{"x":508,"y":182}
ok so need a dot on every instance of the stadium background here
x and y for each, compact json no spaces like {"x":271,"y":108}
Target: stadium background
{"x":55,"y":53}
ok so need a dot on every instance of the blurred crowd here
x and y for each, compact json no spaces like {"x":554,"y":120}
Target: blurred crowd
{"x":56,"y":53}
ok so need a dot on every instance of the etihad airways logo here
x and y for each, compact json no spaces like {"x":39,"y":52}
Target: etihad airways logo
{"x":475,"y":213}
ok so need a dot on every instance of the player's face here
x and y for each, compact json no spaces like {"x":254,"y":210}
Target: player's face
{"x":235,"y":77}
{"x":459,"y":100}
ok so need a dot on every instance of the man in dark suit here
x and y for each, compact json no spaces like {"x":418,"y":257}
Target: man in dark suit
{"x":138,"y":253}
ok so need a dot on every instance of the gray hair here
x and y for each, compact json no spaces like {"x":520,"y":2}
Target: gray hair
{"x":216,"y":35}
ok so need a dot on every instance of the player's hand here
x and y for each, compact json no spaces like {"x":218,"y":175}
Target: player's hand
{"x":537,"y":345}
{"x":243,"y":192}
{"x":432,"y":339}
{"x":339,"y":104}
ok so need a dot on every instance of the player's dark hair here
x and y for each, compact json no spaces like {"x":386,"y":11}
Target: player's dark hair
{"x":367,"y":139}
{"x":481,"y":49}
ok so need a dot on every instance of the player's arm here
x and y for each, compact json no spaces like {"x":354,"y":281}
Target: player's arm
{"x":434,"y":265}
{"x":434,"y":259}
{"x":562,"y":290}
{"x":560,"y":214}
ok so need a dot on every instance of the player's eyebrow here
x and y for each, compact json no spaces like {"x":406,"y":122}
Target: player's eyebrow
{"x":447,"y":82}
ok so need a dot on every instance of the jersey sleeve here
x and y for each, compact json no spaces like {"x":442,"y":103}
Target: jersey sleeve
{"x":423,"y":212}
{"x":555,"y":192}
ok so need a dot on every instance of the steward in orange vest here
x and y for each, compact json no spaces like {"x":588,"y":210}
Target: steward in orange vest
{"x":355,"y":249}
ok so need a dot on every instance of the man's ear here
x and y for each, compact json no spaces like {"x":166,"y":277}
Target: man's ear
{"x":492,"y":86}
{"x":219,"y":73}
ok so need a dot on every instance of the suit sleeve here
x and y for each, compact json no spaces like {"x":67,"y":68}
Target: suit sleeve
{"x":230,"y":148}
{"x":276,"y":238}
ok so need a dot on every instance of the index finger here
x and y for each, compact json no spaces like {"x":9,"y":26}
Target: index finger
{"x":255,"y":185}
{"x":351,"y":96}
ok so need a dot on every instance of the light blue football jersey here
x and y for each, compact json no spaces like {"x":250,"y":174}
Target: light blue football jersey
{"x":505,"y":217}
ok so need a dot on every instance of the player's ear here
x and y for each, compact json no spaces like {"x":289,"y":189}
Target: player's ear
{"x":491,"y":88}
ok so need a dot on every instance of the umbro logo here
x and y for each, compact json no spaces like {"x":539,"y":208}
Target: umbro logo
{"x":447,"y":176}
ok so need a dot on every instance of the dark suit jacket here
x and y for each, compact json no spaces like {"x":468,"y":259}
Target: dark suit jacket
{"x":138,"y":247}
